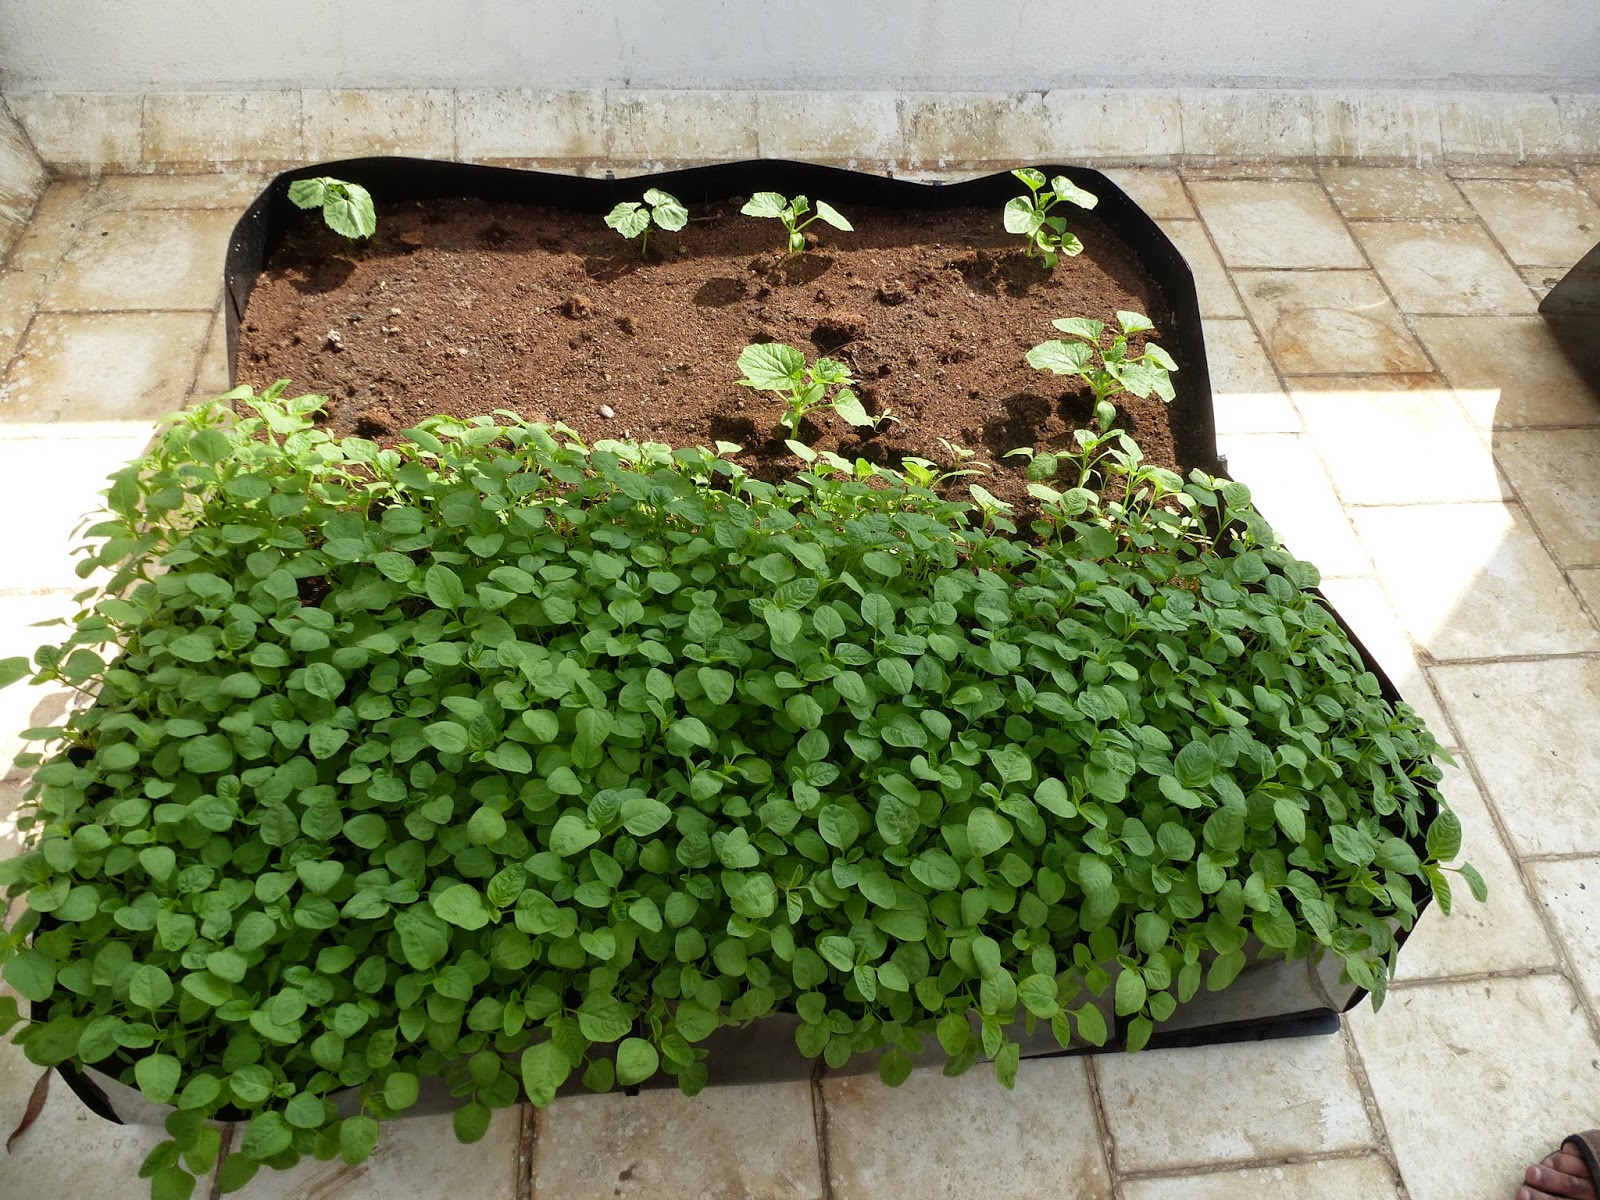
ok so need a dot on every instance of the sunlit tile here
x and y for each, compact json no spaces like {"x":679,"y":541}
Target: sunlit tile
{"x":1477,"y":1080}
{"x":1274,"y":224}
{"x":1509,"y":371}
{"x":663,"y":1145}
{"x":1213,"y":1104}
{"x":955,"y":1139}
{"x":1540,"y":222}
{"x":1450,"y":267}
{"x":1529,"y":729}
{"x":1327,"y":322}
{"x":1472,"y":581}
{"x":1557,"y":474}
{"x":1502,"y":934}
{"x":1396,"y":440}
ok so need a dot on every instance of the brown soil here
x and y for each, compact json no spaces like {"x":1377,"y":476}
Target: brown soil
{"x":466,"y":306}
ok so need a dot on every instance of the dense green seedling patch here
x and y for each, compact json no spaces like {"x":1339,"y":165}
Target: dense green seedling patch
{"x":496,"y":758}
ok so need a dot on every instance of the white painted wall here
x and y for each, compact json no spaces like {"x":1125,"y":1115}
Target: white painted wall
{"x":180,"y":45}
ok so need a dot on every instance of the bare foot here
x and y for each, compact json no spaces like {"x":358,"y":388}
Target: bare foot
{"x":1561,"y":1176}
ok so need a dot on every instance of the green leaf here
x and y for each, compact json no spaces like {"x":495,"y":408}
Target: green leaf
{"x":471,"y":1122}
{"x":832,"y":216}
{"x":1444,"y":836}
{"x":765,"y":204}
{"x":158,"y":1076}
{"x":13,"y":669}
{"x":400,"y":1090}
{"x":987,"y":831}
{"x":1060,"y":358}
{"x":462,"y":905}
{"x":323,"y":680}
{"x":268,"y":1134}
{"x":1131,"y":992}
{"x":629,"y":219}
{"x":1480,"y":889}
{"x":838,"y":826}
{"x":772,"y":366}
{"x":150,"y":988}
{"x":358,"y":1136}
{"x":349,"y":211}
{"x":637,"y":1060}
{"x":32,"y":974}
{"x":444,"y":587}
{"x":894,"y":1067}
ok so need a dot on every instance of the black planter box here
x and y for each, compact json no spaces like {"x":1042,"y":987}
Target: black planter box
{"x":1270,"y":998}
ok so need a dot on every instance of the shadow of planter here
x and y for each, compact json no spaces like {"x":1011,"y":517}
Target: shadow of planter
{"x":1271,"y":998}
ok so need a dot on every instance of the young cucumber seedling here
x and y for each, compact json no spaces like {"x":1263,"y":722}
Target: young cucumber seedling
{"x":1029,"y":215}
{"x":1115,"y":372}
{"x":770,"y":204}
{"x":632,"y":219}
{"x":774,"y":367}
{"x":346,"y":207}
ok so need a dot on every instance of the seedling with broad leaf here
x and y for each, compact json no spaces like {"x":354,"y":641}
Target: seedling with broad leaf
{"x":1047,"y":236}
{"x":346,"y":207}
{"x":633,"y":220}
{"x":775,"y":367}
{"x":1109,"y":371}
{"x":771,"y":204}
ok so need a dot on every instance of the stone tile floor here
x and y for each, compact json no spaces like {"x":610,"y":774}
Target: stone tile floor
{"x":1386,"y":388}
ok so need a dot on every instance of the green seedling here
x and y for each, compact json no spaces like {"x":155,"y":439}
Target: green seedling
{"x":1047,"y":236}
{"x":924,"y":472}
{"x":770,"y":204}
{"x":775,"y":367}
{"x":632,"y":219}
{"x":582,"y":756}
{"x":1108,"y":372}
{"x":346,"y":207}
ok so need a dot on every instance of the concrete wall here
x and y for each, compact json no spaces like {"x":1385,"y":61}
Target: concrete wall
{"x":179,"y":45}
{"x":22,"y":180}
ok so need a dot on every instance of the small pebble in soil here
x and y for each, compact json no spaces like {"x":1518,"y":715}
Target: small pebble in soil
{"x":334,"y":341}
{"x":606,"y":411}
{"x":576,"y":306}
{"x":394,"y":312}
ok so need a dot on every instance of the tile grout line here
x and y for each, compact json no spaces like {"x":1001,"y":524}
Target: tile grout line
{"x":214,"y":1192}
{"x":527,"y":1144}
{"x":1550,"y":969}
{"x":1228,"y":1166}
{"x":1553,"y":656}
{"x":819,"y":1130}
{"x":1102,"y":1125}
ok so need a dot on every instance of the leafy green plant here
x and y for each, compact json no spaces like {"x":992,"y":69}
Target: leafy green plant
{"x":1115,"y":371}
{"x":775,"y":367}
{"x":493,"y":757}
{"x":1047,"y":236}
{"x":346,"y":207}
{"x":632,"y":219}
{"x":771,"y":204}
